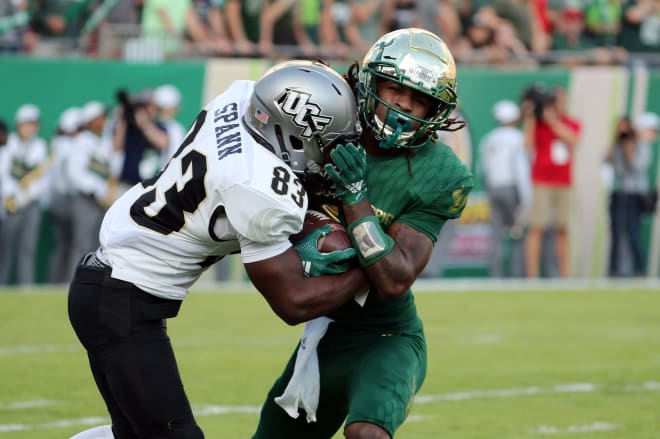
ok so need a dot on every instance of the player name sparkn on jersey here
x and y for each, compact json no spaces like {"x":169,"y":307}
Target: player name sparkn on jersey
{"x":227,"y":135}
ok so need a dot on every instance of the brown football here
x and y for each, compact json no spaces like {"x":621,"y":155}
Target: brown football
{"x":337,"y":239}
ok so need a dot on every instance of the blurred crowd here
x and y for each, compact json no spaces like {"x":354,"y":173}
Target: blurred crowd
{"x":74,"y":175}
{"x":521,"y":32}
{"x":526,"y":166}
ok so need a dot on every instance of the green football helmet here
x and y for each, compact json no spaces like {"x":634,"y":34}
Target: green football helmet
{"x":417,"y":59}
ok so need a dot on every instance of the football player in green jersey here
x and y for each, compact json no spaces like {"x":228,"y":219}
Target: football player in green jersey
{"x":394,"y":191}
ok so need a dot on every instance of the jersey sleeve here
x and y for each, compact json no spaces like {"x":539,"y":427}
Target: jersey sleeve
{"x":263,"y":222}
{"x":439,"y":200}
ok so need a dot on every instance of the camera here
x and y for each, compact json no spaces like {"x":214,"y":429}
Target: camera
{"x":625,"y":135}
{"x":541,"y":96}
{"x":130,"y":104}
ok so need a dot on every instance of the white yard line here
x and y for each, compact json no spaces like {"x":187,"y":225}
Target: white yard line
{"x":22,"y":405}
{"x":38,"y":349}
{"x":214,"y":410}
{"x":211,"y":410}
{"x":588,"y":428}
{"x":506,"y":393}
{"x":62,"y":423}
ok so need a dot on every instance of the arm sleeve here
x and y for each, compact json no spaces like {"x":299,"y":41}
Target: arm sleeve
{"x":430,"y":214}
{"x":263,"y":223}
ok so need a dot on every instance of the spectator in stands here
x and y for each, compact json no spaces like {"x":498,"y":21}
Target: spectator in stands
{"x":243,"y":24}
{"x":175,"y":22}
{"x":603,"y":21}
{"x":491,"y":40}
{"x":168,"y":99}
{"x":281,"y":25}
{"x":365,"y":24}
{"x":14,"y":19}
{"x":164,"y":22}
{"x":506,"y":175}
{"x":125,"y":12}
{"x":551,"y":137}
{"x":525,"y":19}
{"x":323,"y":23}
{"x":212,"y":29}
{"x":256,"y":26}
{"x":474,"y":46}
{"x":508,"y":47}
{"x":574,"y":47}
{"x":138,"y":135}
{"x":336,"y":26}
{"x":569,"y":36}
{"x":348,"y":27}
{"x":58,"y":23}
{"x":90,"y":171}
{"x":630,"y":160}
{"x":399,"y":14}
{"x":447,"y":20}
{"x":62,"y":146}
{"x":23,"y":173}
{"x":121,"y":23}
{"x":640,"y":27}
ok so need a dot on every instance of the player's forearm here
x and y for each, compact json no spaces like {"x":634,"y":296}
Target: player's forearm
{"x":296,"y":298}
{"x":325,"y":294}
{"x":394,"y":272}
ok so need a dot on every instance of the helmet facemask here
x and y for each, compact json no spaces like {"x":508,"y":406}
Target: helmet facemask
{"x":418,"y":60}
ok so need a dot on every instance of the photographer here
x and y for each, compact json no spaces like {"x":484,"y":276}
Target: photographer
{"x":137,"y":134}
{"x":551,"y":137}
{"x":630,"y":157}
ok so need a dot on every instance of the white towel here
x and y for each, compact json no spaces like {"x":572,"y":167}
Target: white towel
{"x":361,"y":298}
{"x":304,"y":385}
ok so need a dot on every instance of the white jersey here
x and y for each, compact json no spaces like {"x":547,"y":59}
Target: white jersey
{"x":503,"y":158}
{"x":62,"y":147}
{"x":23,"y":170}
{"x":92,"y":164}
{"x":220,"y":193}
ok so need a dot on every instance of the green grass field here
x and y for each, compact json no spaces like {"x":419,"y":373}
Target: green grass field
{"x":502,"y":364}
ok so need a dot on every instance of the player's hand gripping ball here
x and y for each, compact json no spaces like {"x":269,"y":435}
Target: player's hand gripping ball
{"x":323,"y":245}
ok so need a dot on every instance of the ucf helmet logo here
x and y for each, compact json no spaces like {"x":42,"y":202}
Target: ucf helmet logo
{"x":305,"y":114}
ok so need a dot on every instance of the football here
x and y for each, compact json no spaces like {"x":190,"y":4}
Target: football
{"x":337,"y":239}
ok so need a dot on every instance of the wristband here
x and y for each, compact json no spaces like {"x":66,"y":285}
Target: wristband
{"x":371,"y":242}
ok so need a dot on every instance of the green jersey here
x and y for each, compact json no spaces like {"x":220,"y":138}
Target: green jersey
{"x":423,"y":190}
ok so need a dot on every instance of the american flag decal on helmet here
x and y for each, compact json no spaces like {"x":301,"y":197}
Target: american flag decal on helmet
{"x":261,"y":116}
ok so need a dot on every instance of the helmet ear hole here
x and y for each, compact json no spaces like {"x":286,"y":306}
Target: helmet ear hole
{"x":296,"y":143}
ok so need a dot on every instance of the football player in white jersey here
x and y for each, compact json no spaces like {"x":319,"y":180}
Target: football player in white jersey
{"x":234,"y":185}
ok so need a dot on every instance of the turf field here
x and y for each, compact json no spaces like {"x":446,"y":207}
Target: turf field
{"x":563,"y":363}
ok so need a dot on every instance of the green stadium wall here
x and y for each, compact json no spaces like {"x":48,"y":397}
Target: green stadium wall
{"x":597,"y":96}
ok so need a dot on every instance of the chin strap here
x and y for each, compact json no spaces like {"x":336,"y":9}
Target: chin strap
{"x":399,"y":124}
